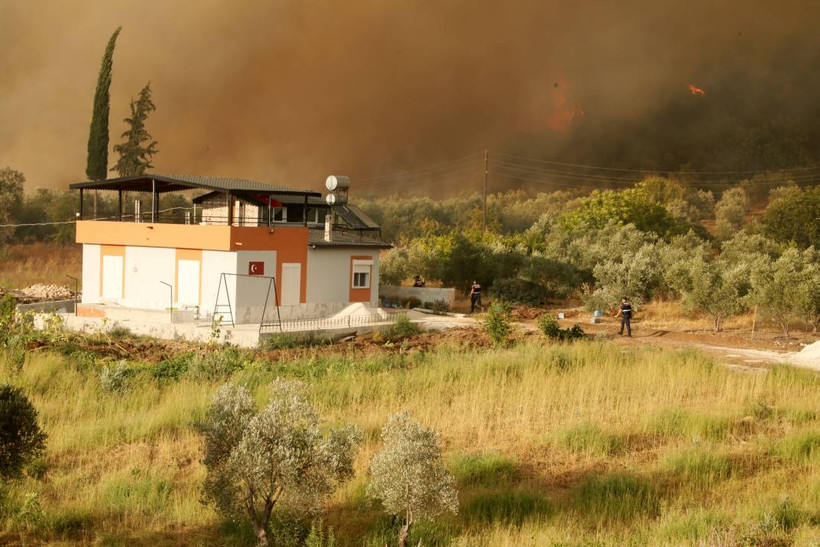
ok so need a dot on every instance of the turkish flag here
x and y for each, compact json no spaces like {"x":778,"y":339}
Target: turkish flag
{"x":256,"y":268}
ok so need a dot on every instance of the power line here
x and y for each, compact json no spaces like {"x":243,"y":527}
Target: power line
{"x":428,"y":168}
{"x":653,"y":171}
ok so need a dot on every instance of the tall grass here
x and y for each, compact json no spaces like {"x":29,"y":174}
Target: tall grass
{"x":587,"y":441}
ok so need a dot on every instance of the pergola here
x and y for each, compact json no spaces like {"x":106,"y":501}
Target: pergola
{"x":156,"y":184}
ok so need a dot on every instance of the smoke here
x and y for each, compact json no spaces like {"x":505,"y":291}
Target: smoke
{"x":289,"y":92}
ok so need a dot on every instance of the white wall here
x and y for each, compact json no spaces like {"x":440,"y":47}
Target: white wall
{"x":328,"y":275}
{"x":145,"y":267}
{"x":251,"y":291}
{"x":91,"y":274}
{"x":214,"y":263}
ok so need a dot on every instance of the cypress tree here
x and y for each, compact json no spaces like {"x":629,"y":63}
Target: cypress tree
{"x":97,"y":166}
{"x":135,"y":155}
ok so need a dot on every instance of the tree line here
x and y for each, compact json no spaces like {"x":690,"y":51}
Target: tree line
{"x":750,"y":247}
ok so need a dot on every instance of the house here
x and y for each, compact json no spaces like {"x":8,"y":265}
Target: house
{"x":245,"y":250}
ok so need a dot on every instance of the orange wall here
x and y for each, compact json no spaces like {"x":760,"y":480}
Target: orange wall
{"x":360,"y":295}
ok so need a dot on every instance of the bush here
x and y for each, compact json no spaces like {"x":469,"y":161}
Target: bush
{"x":402,"y":328}
{"x":549,"y":326}
{"x":295,"y":340}
{"x":498,"y":323}
{"x":113,"y":377}
{"x":519,"y":291}
{"x":21,"y":439}
{"x":171,"y":369}
{"x":217,"y":364}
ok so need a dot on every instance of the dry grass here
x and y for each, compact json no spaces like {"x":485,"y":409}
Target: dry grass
{"x":24,"y":265}
{"x":581,"y":443}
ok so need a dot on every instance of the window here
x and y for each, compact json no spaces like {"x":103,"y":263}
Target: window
{"x":361,"y":274}
{"x":279,"y":214}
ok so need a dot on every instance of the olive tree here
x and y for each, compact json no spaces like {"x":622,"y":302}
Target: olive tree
{"x":717,"y":288}
{"x":21,"y":439}
{"x":788,"y":288}
{"x":276,"y":458}
{"x":407,"y":474}
{"x":730,"y":212}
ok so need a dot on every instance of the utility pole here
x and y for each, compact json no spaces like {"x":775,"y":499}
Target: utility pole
{"x":486,"y":170}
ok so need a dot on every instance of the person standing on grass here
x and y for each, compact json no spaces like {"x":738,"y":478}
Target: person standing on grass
{"x":626,"y":316}
{"x":475,"y":296}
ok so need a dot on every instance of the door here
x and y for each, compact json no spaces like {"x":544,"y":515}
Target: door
{"x":291,"y":284}
{"x":188,"y":282}
{"x":112,"y":277}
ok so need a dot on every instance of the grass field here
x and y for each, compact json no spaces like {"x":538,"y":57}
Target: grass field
{"x":49,"y":263}
{"x":564,"y":444}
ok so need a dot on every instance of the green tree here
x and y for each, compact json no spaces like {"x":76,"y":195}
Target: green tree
{"x":407,"y":474}
{"x":138,"y":149}
{"x":11,"y":198}
{"x":21,"y":439}
{"x":795,"y":216}
{"x":730,"y":212}
{"x":261,"y":461}
{"x":717,"y":288}
{"x":97,"y":162}
{"x":787,"y":289}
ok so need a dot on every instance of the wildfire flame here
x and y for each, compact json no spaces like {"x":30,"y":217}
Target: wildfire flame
{"x":562,"y":113}
{"x":695,"y":90}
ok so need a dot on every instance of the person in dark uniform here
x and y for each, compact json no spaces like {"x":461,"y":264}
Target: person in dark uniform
{"x":418,"y":282}
{"x":475,"y":296}
{"x":626,"y":316}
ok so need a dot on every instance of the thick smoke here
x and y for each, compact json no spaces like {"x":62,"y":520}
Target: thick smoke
{"x":289,"y":92}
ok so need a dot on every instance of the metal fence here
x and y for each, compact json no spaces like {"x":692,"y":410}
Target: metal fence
{"x":304,"y":325}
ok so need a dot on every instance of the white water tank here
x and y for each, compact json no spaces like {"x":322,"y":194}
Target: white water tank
{"x":336,"y":199}
{"x":337,"y":182}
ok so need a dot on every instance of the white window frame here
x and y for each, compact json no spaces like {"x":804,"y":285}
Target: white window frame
{"x":362,"y":267}
{"x":284,"y":209}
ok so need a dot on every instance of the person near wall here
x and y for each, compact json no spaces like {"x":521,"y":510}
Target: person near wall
{"x":419,"y":282}
{"x":475,"y":296}
{"x":626,"y":316}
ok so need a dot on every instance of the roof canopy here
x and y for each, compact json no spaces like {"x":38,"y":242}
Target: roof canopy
{"x":177,"y":183}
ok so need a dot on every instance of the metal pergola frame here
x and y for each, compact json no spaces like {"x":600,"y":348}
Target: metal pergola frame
{"x":271,"y":283}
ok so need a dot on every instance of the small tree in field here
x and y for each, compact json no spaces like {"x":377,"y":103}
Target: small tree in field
{"x":21,"y":439}
{"x":277,"y":458}
{"x":498,"y":323}
{"x":137,"y":150}
{"x":717,"y":289}
{"x":407,"y":474}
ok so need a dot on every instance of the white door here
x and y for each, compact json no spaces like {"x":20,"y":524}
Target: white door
{"x":188,"y":282}
{"x":291,"y":284}
{"x":112,"y":277}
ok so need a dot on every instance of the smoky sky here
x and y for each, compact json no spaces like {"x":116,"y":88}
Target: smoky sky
{"x":291,"y":91}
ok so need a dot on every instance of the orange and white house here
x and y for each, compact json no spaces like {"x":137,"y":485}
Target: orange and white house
{"x":229,"y":246}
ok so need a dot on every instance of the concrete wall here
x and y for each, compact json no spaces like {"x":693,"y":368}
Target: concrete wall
{"x":424,"y":294}
{"x":213,"y":264}
{"x":145,"y":268}
{"x":328,"y":275}
{"x":251,"y":291}
{"x":91,"y":274}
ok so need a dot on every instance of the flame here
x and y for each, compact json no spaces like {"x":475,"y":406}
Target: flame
{"x":695,"y":90}
{"x":563,"y":113}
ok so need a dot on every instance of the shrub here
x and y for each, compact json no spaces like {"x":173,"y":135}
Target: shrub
{"x":294,"y":340}
{"x":113,"y":378}
{"x":498,"y":323}
{"x":21,"y":439}
{"x":549,"y":326}
{"x":519,"y":291}
{"x":403,"y":327}
{"x":216,"y":365}
{"x":173,"y":368}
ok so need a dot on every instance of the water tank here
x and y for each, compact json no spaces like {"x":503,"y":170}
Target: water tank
{"x":336,"y":199}
{"x":337,"y":182}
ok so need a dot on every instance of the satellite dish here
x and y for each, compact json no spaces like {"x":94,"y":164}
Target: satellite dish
{"x":337,"y":182}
